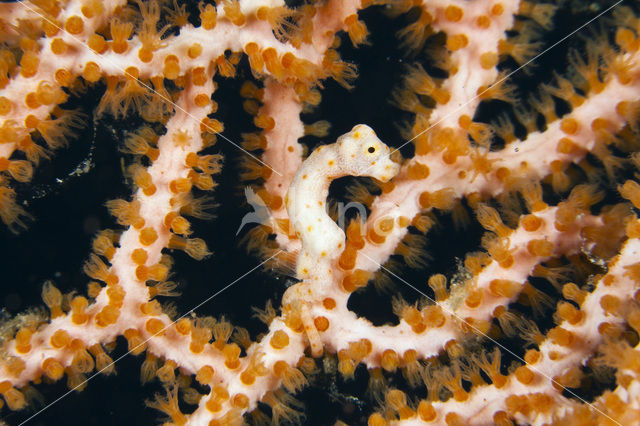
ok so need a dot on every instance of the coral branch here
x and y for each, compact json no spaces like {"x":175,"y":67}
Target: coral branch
{"x":479,"y":266}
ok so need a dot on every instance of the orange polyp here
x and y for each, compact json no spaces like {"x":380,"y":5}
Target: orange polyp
{"x":411,"y":315}
{"x":91,"y":8}
{"x":438,"y":284}
{"x":356,"y":29}
{"x":433,"y":316}
{"x":151,"y":308}
{"x":417,"y":171}
{"x":569,"y":126}
{"x":171,"y":69}
{"x":626,"y":39}
{"x":180,"y":225}
{"x":347,"y":260}
{"x":389,"y":360}
{"x":247,"y":378}
{"x":225,"y":67}
{"x":23,"y":338}
{"x":5,"y":105}
{"x":264,"y":122}
{"x":202,"y":100}
{"x":541,"y":248}
{"x":376,"y":419}
{"x":572,"y":292}
{"x":231,"y":354}
{"x":52,"y":297}
{"x":329,"y":303}
{"x":457,"y":42}
{"x":490,"y":220}
{"x":300,"y":68}
{"x":205,"y":375}
{"x":29,"y":64}
{"x":453,"y":13}
{"x":524,"y":375}
{"x":569,"y":313}
{"x":279,"y":340}
{"x":397,"y":400}
{"x":321,"y":323}
{"x":346,"y":366}
{"x":483,"y":21}
{"x":473,"y":299}
{"x":355,"y":280}
{"x":354,"y":235}
{"x":91,"y":72}
{"x":504,"y":288}
{"x":531,"y":223}
{"x":52,"y":369}
{"x":200,"y":336}
{"x":74,"y":25}
{"x":506,"y":262}
{"x":274,"y":66}
{"x":93,"y":289}
{"x":116,"y":295}
{"x":194,"y":247}
{"x":139,"y":256}
{"x":274,"y":202}
{"x":97,"y":43}
{"x":50,"y":27}
{"x":180,"y":185}
{"x":78,"y":305}
{"x":58,"y":46}
{"x":194,"y":50}
{"x":561,"y":336}
{"x":211,"y":125}
{"x":155,"y":326}
{"x":221,"y":393}
{"x":489,"y":60}
{"x":234,"y":13}
{"x":157,"y":272}
{"x":374,"y":236}
{"x":148,"y":236}
{"x":608,"y":280}
{"x":213,"y":405}
{"x":240,"y":400}
{"x":136,"y":344}
{"x":426,"y":412}
{"x":198,"y":76}
{"x":256,"y":60}
{"x":14,"y":398}
{"x":208,"y":164}
{"x":143,"y":179}
{"x":631,"y":191}
{"x":208,"y":16}
{"x":60,"y":339}
{"x":15,"y":366}
{"x":82,"y":362}
{"x":360,"y":348}
{"x":532,"y":356}
{"x":610,"y":304}
{"x":107,"y":316}
{"x":250,"y":91}
{"x":166,"y":373}
{"x":183,"y":326}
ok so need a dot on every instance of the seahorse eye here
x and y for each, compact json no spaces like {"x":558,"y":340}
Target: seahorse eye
{"x":371,"y":150}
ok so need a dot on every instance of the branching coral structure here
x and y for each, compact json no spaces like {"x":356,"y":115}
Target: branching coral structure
{"x":199,"y":192}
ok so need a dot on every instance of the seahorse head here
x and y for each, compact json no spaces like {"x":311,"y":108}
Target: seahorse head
{"x":361,"y":153}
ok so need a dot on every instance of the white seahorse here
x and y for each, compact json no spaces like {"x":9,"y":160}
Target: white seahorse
{"x":357,"y":153}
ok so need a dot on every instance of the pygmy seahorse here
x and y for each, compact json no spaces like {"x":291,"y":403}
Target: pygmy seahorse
{"x":357,"y":153}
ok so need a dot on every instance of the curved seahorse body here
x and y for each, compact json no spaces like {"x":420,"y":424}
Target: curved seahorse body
{"x":357,"y":153}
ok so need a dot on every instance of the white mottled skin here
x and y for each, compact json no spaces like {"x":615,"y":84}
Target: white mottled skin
{"x":357,"y":153}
